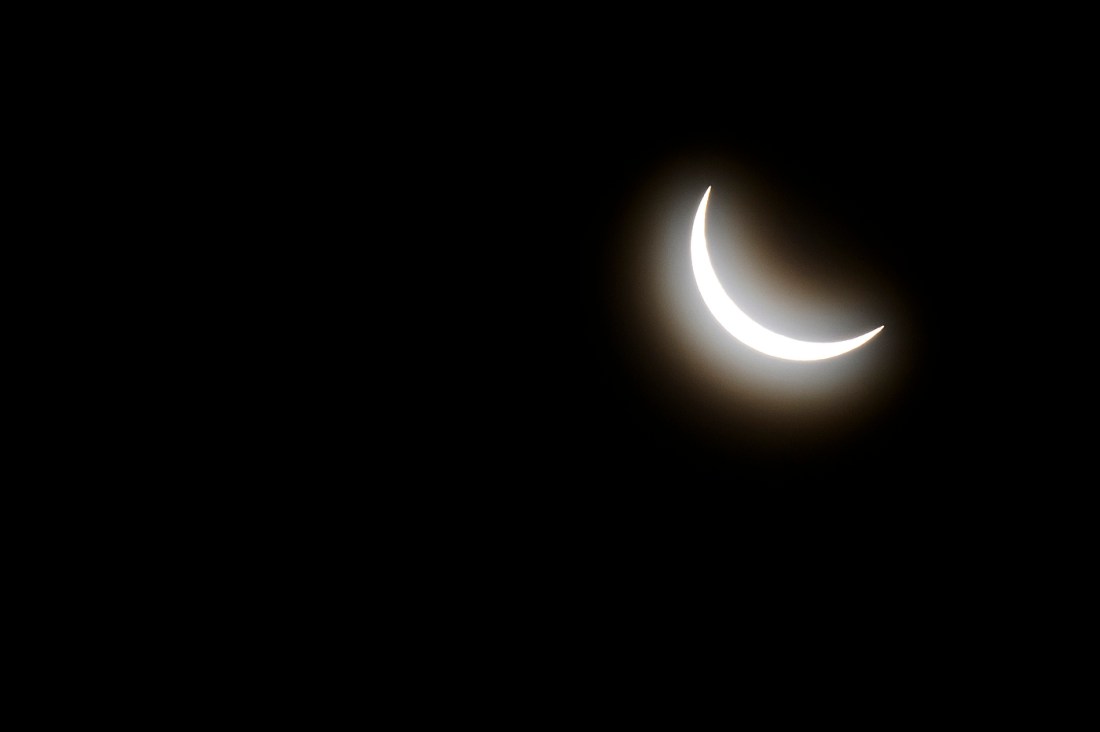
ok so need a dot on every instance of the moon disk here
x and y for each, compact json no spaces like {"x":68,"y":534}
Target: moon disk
{"x":740,"y":325}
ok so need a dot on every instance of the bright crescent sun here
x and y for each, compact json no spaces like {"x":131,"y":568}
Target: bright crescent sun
{"x":740,"y":325}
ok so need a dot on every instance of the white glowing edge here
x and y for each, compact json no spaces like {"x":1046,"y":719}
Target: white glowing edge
{"x":740,"y":325}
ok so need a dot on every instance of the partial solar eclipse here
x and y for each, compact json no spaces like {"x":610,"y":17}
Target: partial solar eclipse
{"x":740,"y":325}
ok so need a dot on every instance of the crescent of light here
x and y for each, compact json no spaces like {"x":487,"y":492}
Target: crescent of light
{"x":740,"y":325}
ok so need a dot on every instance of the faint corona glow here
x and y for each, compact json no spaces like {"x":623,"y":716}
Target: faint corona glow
{"x":740,"y":325}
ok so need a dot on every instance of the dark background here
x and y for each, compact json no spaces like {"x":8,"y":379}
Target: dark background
{"x":397,"y":342}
